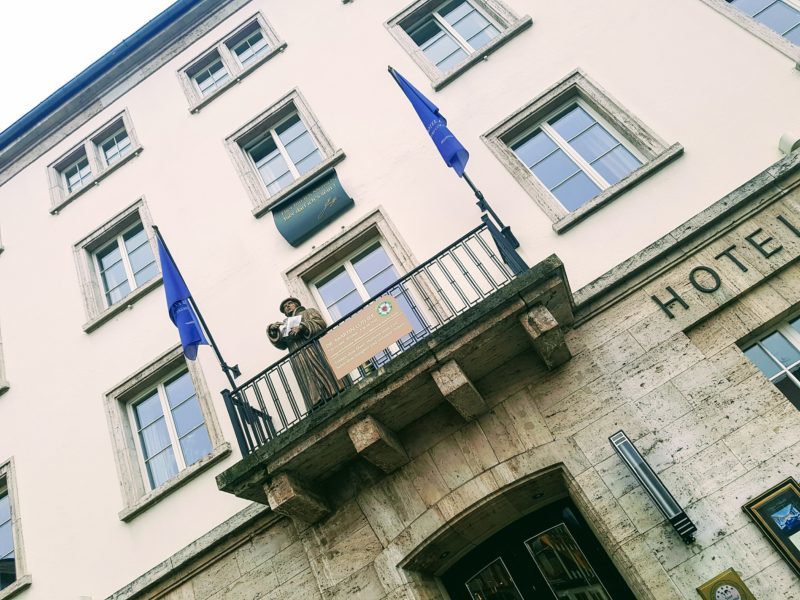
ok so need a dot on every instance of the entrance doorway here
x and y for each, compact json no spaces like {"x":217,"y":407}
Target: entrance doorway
{"x":550,"y":554}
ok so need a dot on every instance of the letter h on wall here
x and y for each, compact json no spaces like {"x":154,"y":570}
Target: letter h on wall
{"x":653,"y":486}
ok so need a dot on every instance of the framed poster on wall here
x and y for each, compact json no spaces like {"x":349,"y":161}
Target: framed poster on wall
{"x":777,"y":514}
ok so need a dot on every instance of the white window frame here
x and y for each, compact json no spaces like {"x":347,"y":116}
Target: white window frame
{"x":239,"y":141}
{"x":126,"y":262}
{"x":134,"y":483}
{"x":97,"y":309}
{"x":90,"y":148}
{"x":576,"y":87}
{"x":177,"y":451}
{"x":759,"y":30}
{"x":347,"y":263}
{"x":497,"y":12}
{"x":573,"y":154}
{"x":230,"y":62}
{"x":792,"y":336}
{"x":23,"y":580}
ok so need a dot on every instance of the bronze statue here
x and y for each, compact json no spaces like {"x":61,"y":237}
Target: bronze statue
{"x":311,"y":369}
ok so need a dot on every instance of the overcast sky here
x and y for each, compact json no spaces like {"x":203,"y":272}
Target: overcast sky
{"x":45,"y":43}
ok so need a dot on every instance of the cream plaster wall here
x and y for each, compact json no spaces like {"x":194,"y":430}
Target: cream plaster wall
{"x":690,"y":74}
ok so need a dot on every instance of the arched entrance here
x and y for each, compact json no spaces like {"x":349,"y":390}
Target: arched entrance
{"x":550,"y":554}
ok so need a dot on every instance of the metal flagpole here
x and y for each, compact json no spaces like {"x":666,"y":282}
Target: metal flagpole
{"x":485,"y":207}
{"x":230,"y":371}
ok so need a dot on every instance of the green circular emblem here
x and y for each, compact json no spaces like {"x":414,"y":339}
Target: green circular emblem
{"x":384,"y":308}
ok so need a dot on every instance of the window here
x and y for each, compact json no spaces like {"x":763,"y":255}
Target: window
{"x":115,"y":146}
{"x":574,"y":156}
{"x":452,"y":32}
{"x":92,"y":160}
{"x":279,"y":149}
{"x":164,"y":430}
{"x":284,"y":153}
{"x":574,"y":149}
{"x":171,"y":430}
{"x":13,"y":578}
{"x":777,"y":355}
{"x":229,"y":60}
{"x":126,"y":263}
{"x":776,"y":22}
{"x":249,"y":44}
{"x":446,"y":38}
{"x":780,"y":16}
{"x":117,"y":265}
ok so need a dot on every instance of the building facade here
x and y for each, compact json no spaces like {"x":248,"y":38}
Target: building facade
{"x":645,"y":156}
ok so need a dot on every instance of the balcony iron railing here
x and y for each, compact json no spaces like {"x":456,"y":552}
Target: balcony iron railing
{"x":462,"y":275}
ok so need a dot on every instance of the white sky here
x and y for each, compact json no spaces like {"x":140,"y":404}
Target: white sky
{"x":45,"y":43}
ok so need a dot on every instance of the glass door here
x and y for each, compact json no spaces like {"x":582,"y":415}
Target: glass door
{"x":550,"y":554}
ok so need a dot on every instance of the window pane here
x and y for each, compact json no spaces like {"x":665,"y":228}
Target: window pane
{"x":141,"y":257}
{"x":280,"y":183}
{"x":563,"y":564}
{"x":789,"y":388}
{"x":290,"y":129}
{"x":274,"y":169}
{"x":424,"y":34}
{"x":456,"y":11}
{"x":779,"y":17}
{"x":794,"y":35}
{"x":196,"y":445}
{"x":451,"y":53}
{"x":263,"y":148}
{"x":118,"y":293}
{"x":372,"y":262}
{"x":179,"y":389}
{"x":346,"y":305}
{"x":115,"y":280}
{"x":762,"y":360}
{"x":616,"y":165}
{"x":154,"y":438}
{"x":308,"y":163}
{"x":255,"y":45}
{"x":780,"y":348}
{"x":162,"y":468}
{"x":533,"y":149}
{"x":576,"y":191}
{"x":554,"y":169}
{"x":593,"y":143}
{"x":147,"y":411}
{"x":5,"y":508}
{"x":441,"y":49}
{"x":482,"y":38}
{"x":751,"y":7}
{"x":573,"y":122}
{"x":187,"y":416}
{"x":335,"y":286}
{"x":494,"y":582}
{"x":300,"y":147}
{"x":109,"y":256}
{"x":6,"y":539}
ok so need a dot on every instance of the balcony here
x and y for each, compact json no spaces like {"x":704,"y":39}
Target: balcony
{"x":474,"y":307}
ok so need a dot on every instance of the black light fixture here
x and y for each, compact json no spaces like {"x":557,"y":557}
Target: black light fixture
{"x":654,"y":486}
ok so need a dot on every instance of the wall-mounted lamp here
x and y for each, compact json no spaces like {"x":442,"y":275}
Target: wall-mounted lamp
{"x":654,"y":486}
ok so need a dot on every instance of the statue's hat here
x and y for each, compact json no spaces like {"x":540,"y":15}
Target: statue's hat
{"x":289,"y":299}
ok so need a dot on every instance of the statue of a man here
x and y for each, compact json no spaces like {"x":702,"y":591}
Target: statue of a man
{"x":311,"y":369}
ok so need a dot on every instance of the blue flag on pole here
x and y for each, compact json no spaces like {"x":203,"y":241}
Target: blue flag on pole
{"x":453,"y":153}
{"x":180,"y":309}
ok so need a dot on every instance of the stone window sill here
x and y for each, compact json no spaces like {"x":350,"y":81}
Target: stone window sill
{"x":157,"y":495}
{"x":510,"y":33}
{"x":22,"y":583}
{"x":96,"y":181}
{"x":200,"y":104}
{"x":4,"y":386}
{"x":267,"y":205}
{"x":639,"y":175}
{"x":122,"y":305}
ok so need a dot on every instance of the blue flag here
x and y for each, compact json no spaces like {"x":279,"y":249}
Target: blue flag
{"x":180,"y":309}
{"x":453,"y":153}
